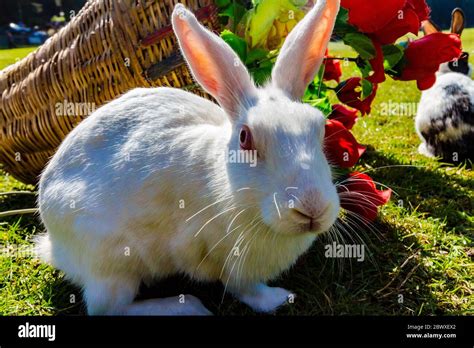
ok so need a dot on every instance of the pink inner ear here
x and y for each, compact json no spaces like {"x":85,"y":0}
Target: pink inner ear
{"x":319,"y":41}
{"x":200,"y":63}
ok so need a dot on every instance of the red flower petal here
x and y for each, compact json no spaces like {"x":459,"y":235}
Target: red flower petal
{"x":406,"y":21}
{"x":421,"y":8}
{"x":345,"y":115}
{"x":340,"y":146}
{"x":422,"y":64}
{"x":348,"y":93}
{"x":359,"y":195}
{"x":332,"y":70}
{"x":370,"y":16}
{"x":426,"y":83}
{"x":377,"y":65}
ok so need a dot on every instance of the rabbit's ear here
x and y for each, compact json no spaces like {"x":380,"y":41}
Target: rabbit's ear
{"x":458,"y":21}
{"x":213,"y":63}
{"x":430,"y":27}
{"x":303,"y":51}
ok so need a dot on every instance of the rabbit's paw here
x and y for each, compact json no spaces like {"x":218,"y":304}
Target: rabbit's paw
{"x":178,"y":305}
{"x":194,"y":306}
{"x":262,"y":298}
{"x":423,"y":150}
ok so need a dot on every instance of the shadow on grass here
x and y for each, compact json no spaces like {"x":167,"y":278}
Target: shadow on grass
{"x":440,"y":196}
{"x":65,"y":298}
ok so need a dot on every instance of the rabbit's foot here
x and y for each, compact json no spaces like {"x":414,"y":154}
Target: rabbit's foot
{"x":116,"y":297}
{"x":178,"y":305}
{"x":263,"y":298}
{"x":423,"y":150}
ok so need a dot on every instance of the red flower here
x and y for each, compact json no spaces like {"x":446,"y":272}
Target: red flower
{"x":369,"y":15}
{"x":332,"y":70}
{"x":359,"y":195}
{"x":341,"y":148}
{"x":387,"y":20}
{"x":406,"y":21}
{"x":377,"y":65}
{"x":349,"y":92}
{"x":424,"y":56}
{"x":421,"y":8}
{"x":343,"y":114}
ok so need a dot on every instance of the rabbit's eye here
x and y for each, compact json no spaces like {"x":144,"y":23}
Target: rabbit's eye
{"x":246,"y":142}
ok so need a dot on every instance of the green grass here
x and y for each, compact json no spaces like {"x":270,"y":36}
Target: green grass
{"x":421,"y":247}
{"x":8,"y":57}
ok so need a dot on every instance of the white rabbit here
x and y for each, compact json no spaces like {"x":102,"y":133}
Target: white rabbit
{"x":145,"y":187}
{"x":445,"y":118}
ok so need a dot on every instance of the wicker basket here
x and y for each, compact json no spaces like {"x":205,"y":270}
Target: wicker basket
{"x":110,"y":47}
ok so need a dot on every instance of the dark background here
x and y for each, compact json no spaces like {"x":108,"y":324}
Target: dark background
{"x":39,"y":12}
{"x":36,"y":12}
{"x":441,"y":11}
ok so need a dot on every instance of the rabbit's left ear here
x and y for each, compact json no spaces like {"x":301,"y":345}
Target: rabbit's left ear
{"x":303,"y":51}
{"x":458,"y":21}
{"x":213,"y":63}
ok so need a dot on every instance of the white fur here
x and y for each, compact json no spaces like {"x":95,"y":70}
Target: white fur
{"x":112,"y":197}
{"x":434,"y":104}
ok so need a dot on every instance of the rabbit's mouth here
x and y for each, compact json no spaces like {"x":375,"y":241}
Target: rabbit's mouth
{"x":316,"y":221}
{"x":306,"y":222}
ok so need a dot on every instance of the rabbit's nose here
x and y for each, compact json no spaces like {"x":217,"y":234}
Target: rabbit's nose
{"x":308,"y":213}
{"x":311,"y":202}
{"x":300,"y":215}
{"x":302,"y":218}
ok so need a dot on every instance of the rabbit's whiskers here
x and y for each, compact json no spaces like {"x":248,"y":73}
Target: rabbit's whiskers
{"x":228,"y":232}
{"x":236,"y":251}
{"x":207,"y":207}
{"x":213,"y":218}
{"x":240,"y":258}
{"x":247,"y":251}
{"x":276,"y":205}
{"x":217,"y":202}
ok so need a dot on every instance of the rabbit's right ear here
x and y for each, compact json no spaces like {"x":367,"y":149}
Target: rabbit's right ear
{"x":458,"y":21}
{"x":214,"y":65}
{"x":303,"y":51}
{"x":430,"y":27}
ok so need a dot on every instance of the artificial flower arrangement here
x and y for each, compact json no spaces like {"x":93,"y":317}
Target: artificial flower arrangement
{"x":257,"y":29}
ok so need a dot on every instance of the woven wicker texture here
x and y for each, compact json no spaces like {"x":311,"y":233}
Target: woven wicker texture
{"x":110,"y":47}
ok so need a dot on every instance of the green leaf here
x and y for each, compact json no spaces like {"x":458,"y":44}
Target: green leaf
{"x":235,"y":12}
{"x":237,"y":43}
{"x":321,"y":89}
{"x":261,"y":22}
{"x":323,"y":104}
{"x":299,"y":3}
{"x":392,"y":56}
{"x":361,"y":44}
{"x":364,"y":67}
{"x":316,"y":95}
{"x":222,"y":3}
{"x":262,"y":74}
{"x":256,"y":55}
{"x":394,"y":68}
{"x":342,"y":26}
{"x":397,"y":70}
{"x":367,"y":89}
